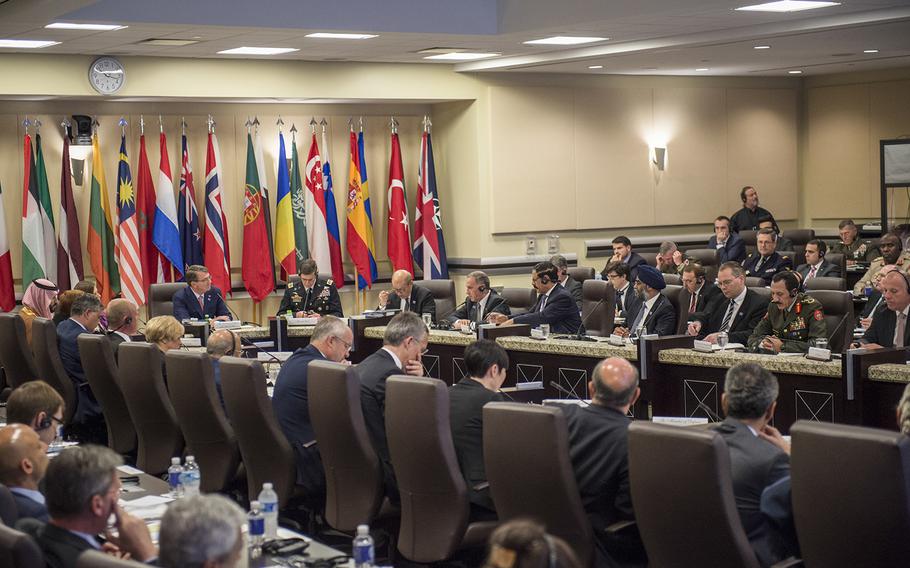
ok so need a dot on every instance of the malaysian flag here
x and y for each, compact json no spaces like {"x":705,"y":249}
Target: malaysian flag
{"x":128,"y":232}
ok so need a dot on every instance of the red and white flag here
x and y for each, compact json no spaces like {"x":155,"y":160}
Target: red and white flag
{"x":398,"y":228}
{"x":7,"y":293}
{"x":216,"y":250}
{"x":316,"y":227}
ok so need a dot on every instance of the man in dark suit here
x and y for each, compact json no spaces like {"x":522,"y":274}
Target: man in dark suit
{"x":82,"y":489}
{"x":222,"y":343}
{"x":480,"y":302}
{"x":627,"y":301}
{"x":410,"y":298}
{"x":486,"y":364}
{"x":555,"y":305}
{"x":737,"y":310}
{"x":405,"y":340}
{"x":657,"y":314}
{"x":331,"y":341}
{"x":697,"y":292}
{"x":566,"y":281}
{"x":759,"y":455}
{"x":766,"y":261}
{"x":312,"y":296}
{"x":816,"y":265}
{"x":729,"y":245}
{"x":88,"y":420}
{"x":123,"y":322}
{"x":622,"y":252}
{"x":889,"y":321}
{"x":747,"y":218}
{"x":23,"y":462}
{"x":599,"y":450}
{"x":199,"y":300}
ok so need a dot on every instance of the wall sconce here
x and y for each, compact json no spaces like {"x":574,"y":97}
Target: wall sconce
{"x":659,"y":158}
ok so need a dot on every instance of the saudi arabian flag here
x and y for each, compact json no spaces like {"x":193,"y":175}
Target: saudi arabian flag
{"x":299,"y":206}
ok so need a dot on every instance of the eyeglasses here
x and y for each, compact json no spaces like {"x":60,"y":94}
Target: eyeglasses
{"x":347,"y":345}
{"x":57,"y":420}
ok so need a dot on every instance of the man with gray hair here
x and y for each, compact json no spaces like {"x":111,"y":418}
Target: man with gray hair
{"x":403,"y":345}
{"x":331,"y":341}
{"x":199,"y":300}
{"x":572,"y":285}
{"x":82,"y":490}
{"x":759,"y":455}
{"x":480,"y":302}
{"x":599,"y":449}
{"x":202,"y":531}
{"x":88,"y":421}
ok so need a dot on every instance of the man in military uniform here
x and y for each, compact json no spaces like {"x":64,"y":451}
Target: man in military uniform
{"x":766,"y":261}
{"x":312,"y":296}
{"x":793,"y":319}
{"x":892,"y":253}
{"x":854,"y":249}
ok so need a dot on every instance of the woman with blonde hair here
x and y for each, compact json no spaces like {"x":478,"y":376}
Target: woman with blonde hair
{"x":164,"y":332}
{"x":38,"y":302}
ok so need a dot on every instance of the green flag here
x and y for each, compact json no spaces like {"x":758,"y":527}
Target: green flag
{"x":298,"y":198}
{"x":47,"y":214}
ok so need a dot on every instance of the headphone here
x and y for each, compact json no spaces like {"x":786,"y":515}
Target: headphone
{"x":544,"y":279}
{"x":791,"y":280}
{"x":551,"y":550}
{"x":481,"y":288}
{"x":45,"y":422}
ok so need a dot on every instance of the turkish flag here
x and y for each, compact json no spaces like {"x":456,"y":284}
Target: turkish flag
{"x":399,"y":230}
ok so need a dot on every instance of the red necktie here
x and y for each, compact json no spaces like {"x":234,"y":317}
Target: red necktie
{"x":811,"y":273}
{"x":692,"y":303}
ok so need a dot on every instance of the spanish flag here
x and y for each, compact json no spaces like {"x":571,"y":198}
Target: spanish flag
{"x":358,"y":223}
{"x":100,"y":233}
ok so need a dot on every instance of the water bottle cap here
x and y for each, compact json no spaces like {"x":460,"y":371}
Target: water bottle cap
{"x":175,"y":461}
{"x":190,"y":458}
{"x":266,"y":486}
{"x":254,"y":504}
{"x":363,"y":530}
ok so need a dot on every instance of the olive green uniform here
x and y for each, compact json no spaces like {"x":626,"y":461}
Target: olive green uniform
{"x":804,"y":320}
{"x":323,"y":299}
{"x":860,"y":250}
{"x":868,"y":279}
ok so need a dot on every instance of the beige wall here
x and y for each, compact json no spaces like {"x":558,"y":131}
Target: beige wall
{"x":516,"y":154}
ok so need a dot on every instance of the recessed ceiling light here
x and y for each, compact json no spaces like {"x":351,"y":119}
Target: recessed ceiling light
{"x":702,"y":69}
{"x":795,"y":72}
{"x":461,"y":56}
{"x":168,"y":42}
{"x":95,"y":27}
{"x":26,"y":43}
{"x":595,"y":66}
{"x":565,"y":40}
{"x":870,"y":51}
{"x":761,"y":47}
{"x":329,"y":35}
{"x":788,"y":6}
{"x":257,"y":51}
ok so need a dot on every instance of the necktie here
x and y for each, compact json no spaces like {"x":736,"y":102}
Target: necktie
{"x":201,"y":302}
{"x":900,"y":329}
{"x":760,"y":262}
{"x":406,"y":305}
{"x":692,"y":302}
{"x":728,"y":317}
{"x":811,"y":273}
{"x":619,"y":297}
{"x":306,"y":299}
{"x":543,"y":302}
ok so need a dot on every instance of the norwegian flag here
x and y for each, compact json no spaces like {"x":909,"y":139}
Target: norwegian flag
{"x":429,"y":245}
{"x":190,"y":235}
{"x":399,"y":232}
{"x":217,"y":250}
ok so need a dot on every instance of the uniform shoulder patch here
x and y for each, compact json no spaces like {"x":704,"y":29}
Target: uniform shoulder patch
{"x":818,"y":315}
{"x":328,"y":281}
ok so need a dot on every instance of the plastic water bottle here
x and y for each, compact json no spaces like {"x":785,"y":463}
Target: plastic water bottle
{"x":364,"y":553}
{"x":191,"y":477}
{"x":173,"y":478}
{"x":257,"y":529}
{"x":268,"y":501}
{"x":598,"y":276}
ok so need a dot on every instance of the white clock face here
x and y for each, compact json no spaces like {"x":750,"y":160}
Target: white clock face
{"x":106,"y":75}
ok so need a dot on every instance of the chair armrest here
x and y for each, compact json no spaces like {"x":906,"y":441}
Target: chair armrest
{"x":310,"y":444}
{"x":621,"y":527}
{"x":481,"y":486}
{"x":792,"y":562}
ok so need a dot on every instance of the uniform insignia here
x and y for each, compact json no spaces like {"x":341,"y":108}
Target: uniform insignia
{"x":295,"y":297}
{"x":329,"y":282}
{"x":818,"y":315}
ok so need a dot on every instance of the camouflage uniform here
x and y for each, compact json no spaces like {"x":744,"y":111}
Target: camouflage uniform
{"x":804,"y":320}
{"x":868,"y":279}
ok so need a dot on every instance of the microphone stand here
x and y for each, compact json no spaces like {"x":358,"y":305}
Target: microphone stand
{"x":568,"y":393}
{"x":578,"y":336}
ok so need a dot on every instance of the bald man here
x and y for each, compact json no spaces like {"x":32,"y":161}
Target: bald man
{"x":410,"y":298}
{"x":122,"y":321}
{"x":220,"y":343}
{"x":599,"y":449}
{"x":23,"y":462}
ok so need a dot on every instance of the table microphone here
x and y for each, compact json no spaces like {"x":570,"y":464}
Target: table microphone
{"x":244,"y":340}
{"x":711,"y":414}
{"x":578,"y":336}
{"x":567,"y":392}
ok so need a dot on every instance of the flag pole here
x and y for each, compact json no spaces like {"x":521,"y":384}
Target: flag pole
{"x":357,"y":304}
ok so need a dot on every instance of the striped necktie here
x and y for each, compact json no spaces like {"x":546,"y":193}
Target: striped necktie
{"x":728,"y":317}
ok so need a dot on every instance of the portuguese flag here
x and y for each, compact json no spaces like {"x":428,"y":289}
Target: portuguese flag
{"x":257,"y":271}
{"x":100,"y":233}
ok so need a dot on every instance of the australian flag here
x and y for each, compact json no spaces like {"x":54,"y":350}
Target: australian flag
{"x":188,"y":218}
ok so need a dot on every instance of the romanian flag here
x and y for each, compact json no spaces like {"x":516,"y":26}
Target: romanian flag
{"x":100,"y":233}
{"x":284,"y":221}
{"x":359,"y":228}
{"x":365,"y":188}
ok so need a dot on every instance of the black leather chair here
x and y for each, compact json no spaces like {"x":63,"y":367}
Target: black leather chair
{"x":799,"y":238}
{"x":443,"y":293}
{"x":839,"y":317}
{"x":598,"y":307}
{"x":267,"y":455}
{"x":150,"y":408}
{"x":531,"y":474}
{"x":15,"y":353}
{"x":702,"y":527}
{"x":434,"y":495}
{"x":763,"y":292}
{"x":673,"y":293}
{"x":581,"y":273}
{"x":520,"y":300}
{"x":50,"y":366}
{"x":707,"y":258}
{"x":674,"y":279}
{"x":208,"y":434}
{"x":826,"y":283}
{"x":851,"y":489}
{"x":353,"y":474}
{"x":97,"y":559}
{"x":750,"y":238}
{"x":650,"y":257}
{"x":161,"y":298}
{"x":18,"y":550}
{"x":9,"y":513}
{"x":102,"y":374}
{"x":840,"y":260}
{"x":755,"y":282}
